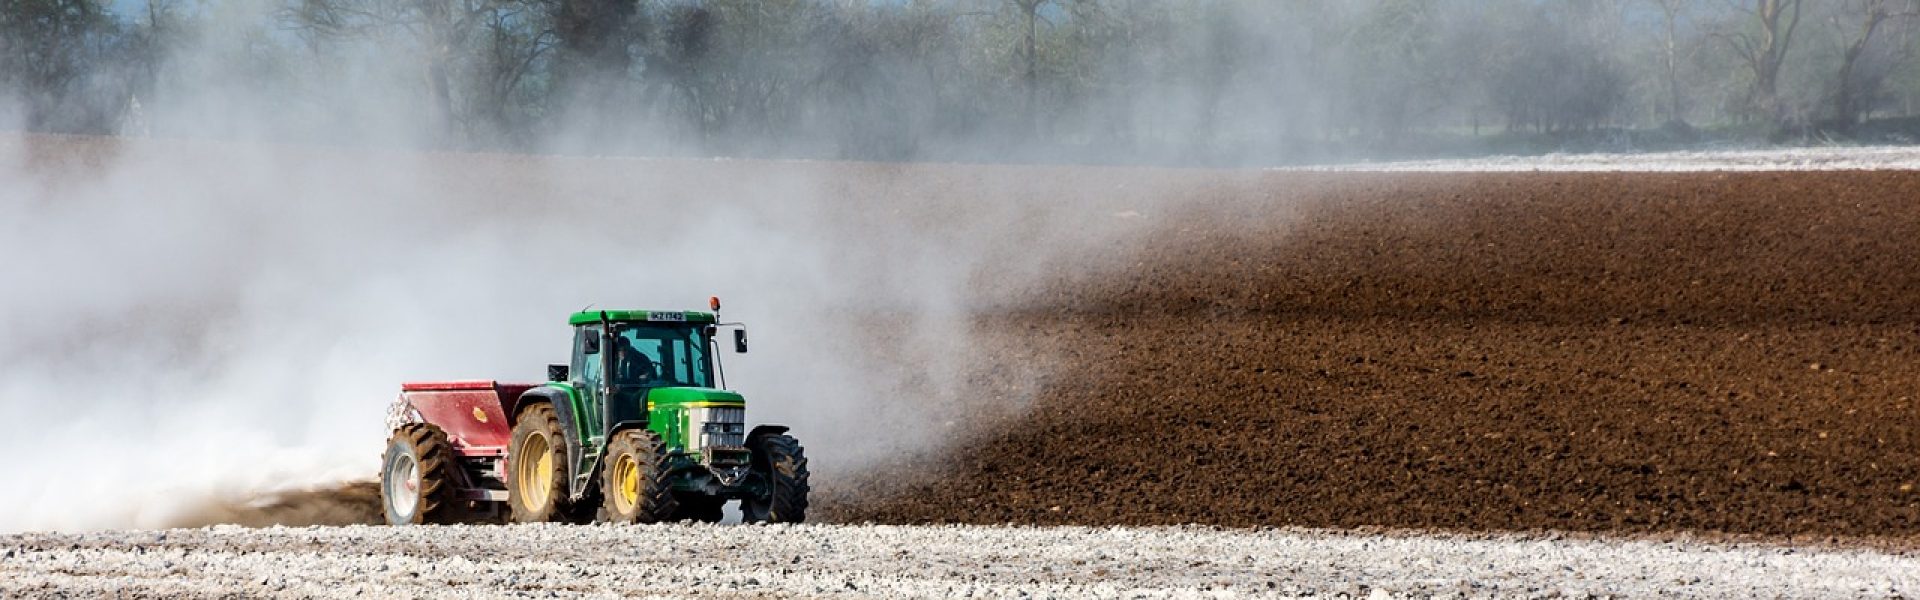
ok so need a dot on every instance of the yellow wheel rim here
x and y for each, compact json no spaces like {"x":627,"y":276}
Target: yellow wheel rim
{"x":626,"y":483}
{"x":533,"y":473}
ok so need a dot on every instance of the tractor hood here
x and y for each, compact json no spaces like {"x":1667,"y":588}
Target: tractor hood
{"x":693,"y":419}
{"x":693,"y":397}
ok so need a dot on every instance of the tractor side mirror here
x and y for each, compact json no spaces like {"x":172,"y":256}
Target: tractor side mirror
{"x":590,"y":344}
{"x":740,"y":340}
{"x":556,"y":373}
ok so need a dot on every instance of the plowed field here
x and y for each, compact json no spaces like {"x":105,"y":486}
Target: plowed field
{"x":1596,"y":352}
{"x":1702,"y":352}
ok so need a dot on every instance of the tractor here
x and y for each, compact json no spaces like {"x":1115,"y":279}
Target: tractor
{"x":639,"y":428}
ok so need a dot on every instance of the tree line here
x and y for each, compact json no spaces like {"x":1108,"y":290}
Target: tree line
{"x":1172,"y":81}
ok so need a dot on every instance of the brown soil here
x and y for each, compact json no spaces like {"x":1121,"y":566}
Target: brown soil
{"x":346,"y":504}
{"x":1580,"y":352}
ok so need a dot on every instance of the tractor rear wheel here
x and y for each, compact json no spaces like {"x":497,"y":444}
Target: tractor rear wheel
{"x":782,"y":464}
{"x":416,"y":477}
{"x":633,"y":485}
{"x":537,"y":484}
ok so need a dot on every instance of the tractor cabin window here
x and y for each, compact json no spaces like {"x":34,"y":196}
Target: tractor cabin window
{"x":661,"y":355}
{"x":586,"y":366}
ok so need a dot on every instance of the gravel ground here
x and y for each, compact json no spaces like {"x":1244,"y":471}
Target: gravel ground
{"x":894,"y":561}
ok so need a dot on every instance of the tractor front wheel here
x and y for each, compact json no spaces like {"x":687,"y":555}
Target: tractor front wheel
{"x":633,"y":483}
{"x":537,"y":483}
{"x":782,"y":464}
{"x":416,"y":476}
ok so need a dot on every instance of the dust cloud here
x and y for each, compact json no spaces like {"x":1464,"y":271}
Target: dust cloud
{"x":198,"y":321}
{"x":194,"y":323}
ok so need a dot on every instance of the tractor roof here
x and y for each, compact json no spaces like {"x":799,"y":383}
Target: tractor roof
{"x":676,"y":316}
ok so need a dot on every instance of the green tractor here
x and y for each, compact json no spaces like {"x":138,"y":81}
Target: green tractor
{"x":638,"y":428}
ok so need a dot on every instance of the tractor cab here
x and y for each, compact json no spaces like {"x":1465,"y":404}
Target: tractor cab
{"x":642,"y":352}
{"x":643,"y":349}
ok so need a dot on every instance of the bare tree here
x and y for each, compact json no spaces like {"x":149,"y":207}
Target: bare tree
{"x":47,"y":50}
{"x":442,"y":29}
{"x":1553,"y":78}
{"x":1179,"y":80}
{"x":1671,"y":11}
{"x":595,"y":39}
{"x":1869,"y":16}
{"x":515,"y":39}
{"x":1764,"y":48}
{"x":1030,"y":54}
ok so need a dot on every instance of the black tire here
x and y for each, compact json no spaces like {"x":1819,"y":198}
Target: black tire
{"x":782,"y":463}
{"x":705,"y":509}
{"x":416,"y":477}
{"x":633,"y":480}
{"x":537,"y":491}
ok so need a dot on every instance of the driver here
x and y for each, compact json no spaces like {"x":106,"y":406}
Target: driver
{"x":629,"y":364}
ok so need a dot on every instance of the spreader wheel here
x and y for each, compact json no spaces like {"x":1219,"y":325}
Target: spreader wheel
{"x":782,"y":464}
{"x":537,"y":461}
{"x":634,"y":487}
{"x":416,"y":484}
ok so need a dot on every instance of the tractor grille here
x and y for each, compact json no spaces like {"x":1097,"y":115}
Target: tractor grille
{"x":718,"y":426}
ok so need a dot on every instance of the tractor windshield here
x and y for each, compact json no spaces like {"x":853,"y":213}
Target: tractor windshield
{"x":661,"y":355}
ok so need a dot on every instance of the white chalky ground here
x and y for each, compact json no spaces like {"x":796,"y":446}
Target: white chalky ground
{"x":1834,"y":158}
{"x":888,"y":561}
